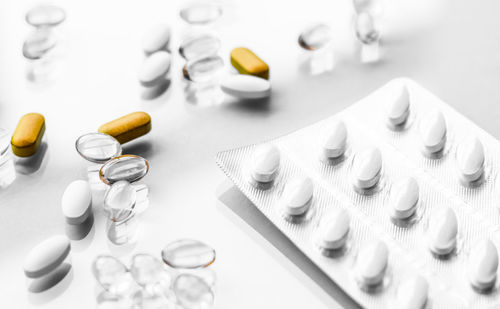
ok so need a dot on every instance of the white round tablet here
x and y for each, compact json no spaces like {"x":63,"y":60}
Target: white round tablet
{"x":335,"y":141}
{"x":442,"y":231}
{"x":265,"y":163}
{"x":371,"y":263}
{"x":483,"y":265}
{"x":412,"y":293}
{"x":399,"y":109}
{"x":297,"y":196}
{"x":367,"y":167}
{"x":77,"y":202}
{"x":335,"y":229}
{"x":433,"y":131}
{"x":470,"y":159}
{"x":404,"y":198}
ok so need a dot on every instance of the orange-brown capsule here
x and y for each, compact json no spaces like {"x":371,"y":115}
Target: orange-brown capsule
{"x":28,"y":135}
{"x":246,"y":62}
{"x":128,"y":127}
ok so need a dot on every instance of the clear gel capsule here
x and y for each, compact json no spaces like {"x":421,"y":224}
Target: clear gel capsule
{"x":126,"y":167}
{"x":399,"y":109}
{"x":335,"y":142}
{"x":148,"y":271}
{"x":442,"y":231}
{"x":265,"y":163}
{"x":119,"y":200}
{"x":188,"y":254}
{"x":113,"y":276}
{"x":334,"y":230}
{"x":156,"y":39}
{"x":367,"y":168}
{"x":297,"y":196}
{"x":38,"y":43}
{"x":246,"y":86}
{"x":368,"y":6}
{"x":413,"y":293}
{"x":470,"y":159}
{"x":45,"y":16}
{"x":98,"y":147}
{"x":192,"y":292}
{"x":315,"y":37}
{"x":203,"y":69}
{"x":433,"y":131}
{"x":154,"y":69}
{"x":199,"y":46}
{"x":483,"y":265}
{"x":201,"y":13}
{"x":371,"y":264}
{"x":366,"y":30}
{"x":404,"y":199}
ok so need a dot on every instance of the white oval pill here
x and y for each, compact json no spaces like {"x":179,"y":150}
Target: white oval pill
{"x":335,"y":229}
{"x":46,"y":256}
{"x":399,"y":109}
{"x":77,"y":202}
{"x":483,"y":265}
{"x":297,"y":196}
{"x":371,"y":263}
{"x":433,"y":131}
{"x":246,"y":86}
{"x":156,"y":39}
{"x":45,"y":16}
{"x":366,"y":168}
{"x":413,"y":293}
{"x":443,"y":230}
{"x":154,"y":69}
{"x":404,"y":198}
{"x":335,"y":142}
{"x":265,"y":163}
{"x":470,"y":159}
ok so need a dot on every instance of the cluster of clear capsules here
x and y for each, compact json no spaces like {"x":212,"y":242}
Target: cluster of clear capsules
{"x":182,"y":278}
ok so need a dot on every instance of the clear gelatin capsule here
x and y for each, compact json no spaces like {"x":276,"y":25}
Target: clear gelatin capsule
{"x":442,"y":231}
{"x":483,"y":265}
{"x":371,"y":264}
{"x":335,"y":141}
{"x":98,"y":147}
{"x":188,"y":254}
{"x":113,"y":276}
{"x":199,"y":46}
{"x":126,"y":167}
{"x":334,"y":230}
{"x":45,"y":16}
{"x":366,"y":30}
{"x":201,"y":13}
{"x":203,"y":69}
{"x":192,"y":292}
{"x":148,"y":271}
{"x":38,"y":43}
{"x":315,"y":37}
{"x":119,"y":200}
{"x":412,"y":293}
{"x":297,"y":196}
{"x":265,"y":163}
{"x":367,"y":168}
{"x":470,"y":159}
{"x":399,"y":109}
{"x":433,"y":131}
{"x":404,"y":199}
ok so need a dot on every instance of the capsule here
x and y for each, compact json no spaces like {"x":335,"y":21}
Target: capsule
{"x":399,"y":109}
{"x":442,"y":232}
{"x":413,"y":293}
{"x":113,"y":276}
{"x":201,"y":13}
{"x":45,"y":16}
{"x":128,"y":127}
{"x":315,"y":37}
{"x":98,"y":147}
{"x":483,"y":265}
{"x":470,"y":159}
{"x":126,"y":167}
{"x":404,"y":199}
{"x":433,"y":131}
{"x":246,"y":86}
{"x":335,"y":142}
{"x":371,"y":264}
{"x":77,"y":202}
{"x":367,"y":168}
{"x":203,"y":69}
{"x":246,"y":62}
{"x":265,"y":163}
{"x":297,"y":196}
{"x":188,"y":254}
{"x":148,"y":271}
{"x":156,"y":39}
{"x":192,"y":291}
{"x":38,"y":43}
{"x":28,"y":135}
{"x":46,"y":256}
{"x":120,"y":200}
{"x":334,"y":230}
{"x":366,"y":30}
{"x":154,"y":69}
{"x":199,"y":46}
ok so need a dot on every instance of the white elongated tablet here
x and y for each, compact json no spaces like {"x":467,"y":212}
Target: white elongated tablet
{"x":412,"y":293}
{"x":154,"y":69}
{"x":443,"y":230}
{"x":265,"y":163}
{"x":433,"y":131}
{"x":77,"y":202}
{"x":483,"y":265}
{"x":297,"y":196}
{"x":46,"y":256}
{"x":156,"y":39}
{"x":335,"y":142}
{"x":399,"y":109}
{"x":404,"y":198}
{"x":470,"y":159}
{"x":366,"y":168}
{"x":246,"y":86}
{"x":371,"y":263}
{"x":334,"y":230}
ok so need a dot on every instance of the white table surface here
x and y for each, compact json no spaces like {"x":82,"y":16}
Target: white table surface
{"x":450,"y":47}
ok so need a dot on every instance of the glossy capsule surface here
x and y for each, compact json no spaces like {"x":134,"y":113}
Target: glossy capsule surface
{"x":201,"y":13}
{"x":128,"y":127}
{"x":199,"y":46}
{"x":98,"y":147}
{"x":203,"y":69}
{"x":130,"y":168}
{"x":188,"y":254}
{"x":28,"y":135}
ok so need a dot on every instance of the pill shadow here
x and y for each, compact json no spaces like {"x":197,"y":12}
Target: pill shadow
{"x":82,"y":230}
{"x":50,"y":286}
{"x":30,"y":165}
{"x":262,"y":105}
{"x":151,"y":93}
{"x":140,"y":148}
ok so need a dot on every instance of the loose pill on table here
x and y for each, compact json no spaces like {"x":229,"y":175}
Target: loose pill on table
{"x":45,"y":16}
{"x":77,"y":202}
{"x":371,"y":263}
{"x":334,"y":230}
{"x":470,"y":159}
{"x":246,"y":62}
{"x":28,"y":135}
{"x":367,"y":168}
{"x":246,"y":86}
{"x":201,"y":13}
{"x":154,"y":69}
{"x":98,"y":147}
{"x":433,"y":131}
{"x":297,"y":196}
{"x":442,"y":231}
{"x":199,"y":46}
{"x":192,"y":291}
{"x":128,"y":127}
{"x":335,"y":142}
{"x":203,"y":69}
{"x":483,"y":265}
{"x":315,"y":37}
{"x":148,"y":271}
{"x":412,"y":293}
{"x":265,"y":163}
{"x":188,"y":254}
{"x":120,"y":200}
{"x":399,"y":109}
{"x":156,"y":39}
{"x":404,"y":199}
{"x":38,"y":43}
{"x":113,"y":276}
{"x":131,"y":168}
{"x":366,"y":30}
{"x":46,"y":256}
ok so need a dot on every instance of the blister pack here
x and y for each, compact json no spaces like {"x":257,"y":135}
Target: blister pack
{"x":394,"y":198}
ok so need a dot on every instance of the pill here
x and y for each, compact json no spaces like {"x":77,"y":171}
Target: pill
{"x":126,"y":167}
{"x":265,"y":163}
{"x":201,"y":13}
{"x":315,"y":37}
{"x":433,"y":131}
{"x":366,"y":30}
{"x":297,"y":196}
{"x":335,"y":229}
{"x":483,"y":265}
{"x":368,"y":6}
{"x":98,"y":147}
{"x":335,"y":142}
{"x":246,"y":86}
{"x":188,"y":254}
{"x":46,"y":256}
{"x":77,"y":202}
{"x":203,"y":69}
{"x":156,"y":39}
{"x":399,"y":109}
{"x":470,"y":159}
{"x":413,"y":293}
{"x":154,"y":69}
{"x":120,"y":200}
{"x":199,"y":46}
{"x":148,"y":271}
{"x":246,"y":62}
{"x":38,"y":43}
{"x":404,"y":199}
{"x":28,"y":135}
{"x":367,"y":168}
{"x":442,"y":231}
{"x":112,"y":275}
{"x":193,"y":292}
{"x":128,"y":127}
{"x":45,"y":16}
{"x":371,"y":263}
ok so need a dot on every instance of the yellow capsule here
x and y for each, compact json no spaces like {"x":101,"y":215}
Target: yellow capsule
{"x":128,"y":127}
{"x":246,"y":62}
{"x":28,"y":135}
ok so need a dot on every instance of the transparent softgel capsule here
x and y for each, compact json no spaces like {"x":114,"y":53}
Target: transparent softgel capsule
{"x":265,"y":163}
{"x":127,"y":167}
{"x":470,"y":159}
{"x":367,"y":168}
{"x":113,"y":276}
{"x":442,"y":231}
{"x":188,"y":254}
{"x":45,"y":16}
{"x":433,"y":131}
{"x":334,"y":230}
{"x":483,"y":265}
{"x":199,"y":46}
{"x":297,"y":196}
{"x":149,"y":272}
{"x":404,"y":199}
{"x":315,"y":37}
{"x":38,"y":43}
{"x":366,"y":30}
{"x":201,"y":13}
{"x":98,"y":147}
{"x":399,"y":109}
{"x":120,"y":200}
{"x":203,"y":69}
{"x":371,"y":264}
{"x":412,"y":293}
{"x":192,"y":292}
{"x":335,"y":141}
